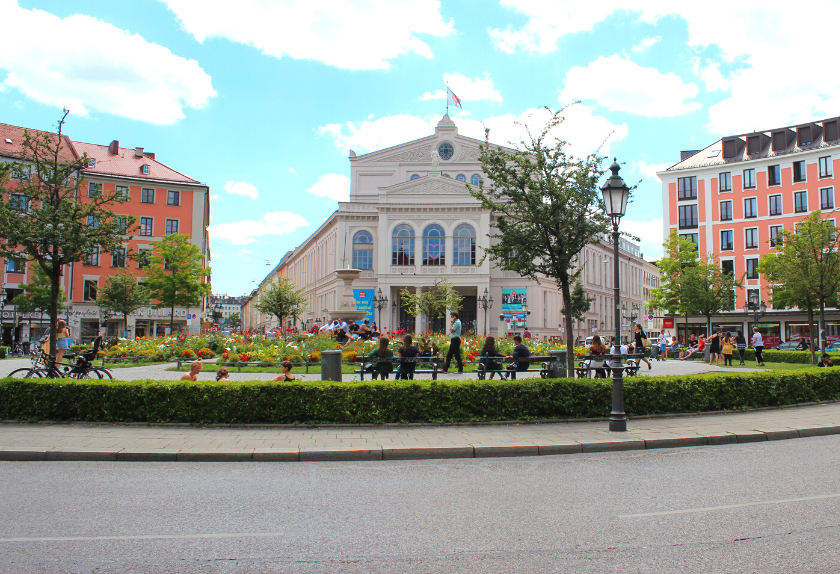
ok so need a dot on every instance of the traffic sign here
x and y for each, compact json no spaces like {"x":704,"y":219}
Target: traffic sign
{"x":650,"y":317}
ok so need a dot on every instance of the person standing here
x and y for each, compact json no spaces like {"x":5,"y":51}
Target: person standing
{"x":714,"y":348}
{"x":741,"y":345}
{"x":62,"y":339}
{"x":454,"y":344}
{"x":758,"y":345}
{"x":639,"y":348}
{"x":727,"y":350}
{"x":663,"y":346}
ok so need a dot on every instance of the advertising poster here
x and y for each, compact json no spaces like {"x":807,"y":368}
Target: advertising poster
{"x":364,"y":302}
{"x":514,"y":299}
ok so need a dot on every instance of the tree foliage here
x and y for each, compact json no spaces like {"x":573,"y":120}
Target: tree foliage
{"x":546,"y":207}
{"x":37,"y":295}
{"x":175,"y":274}
{"x":805,"y":270}
{"x":233,"y":320}
{"x":434,"y":301}
{"x":709,"y":288}
{"x":122,"y":294}
{"x":48,"y":215}
{"x":579,"y":304}
{"x":282,"y":299}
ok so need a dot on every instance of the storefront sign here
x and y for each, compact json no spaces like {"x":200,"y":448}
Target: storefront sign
{"x":668,"y":323}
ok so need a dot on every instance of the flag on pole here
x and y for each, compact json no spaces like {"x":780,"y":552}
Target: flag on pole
{"x":451,"y":98}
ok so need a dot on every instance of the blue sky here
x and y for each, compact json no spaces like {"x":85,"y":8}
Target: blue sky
{"x":263,"y":99}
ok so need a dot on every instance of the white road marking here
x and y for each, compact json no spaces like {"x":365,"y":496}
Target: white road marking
{"x":729,"y":506}
{"x":146,"y":537}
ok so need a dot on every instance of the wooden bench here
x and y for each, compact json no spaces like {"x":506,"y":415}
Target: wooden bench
{"x":433,"y":361}
{"x":544,"y":366}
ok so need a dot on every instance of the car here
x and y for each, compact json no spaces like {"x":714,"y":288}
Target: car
{"x":834,"y":347}
{"x":787,"y":346}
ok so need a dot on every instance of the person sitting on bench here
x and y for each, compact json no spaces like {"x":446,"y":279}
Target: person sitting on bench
{"x":701,"y":344}
{"x":597,"y":349}
{"x":520,"y":351}
{"x":487,"y":352}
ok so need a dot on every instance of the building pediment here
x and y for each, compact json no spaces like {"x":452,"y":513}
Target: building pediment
{"x":430,"y":187}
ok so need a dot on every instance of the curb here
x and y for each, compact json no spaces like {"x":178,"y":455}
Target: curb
{"x":419,"y":453}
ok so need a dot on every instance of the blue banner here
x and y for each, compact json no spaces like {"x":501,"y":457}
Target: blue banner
{"x":364,"y":302}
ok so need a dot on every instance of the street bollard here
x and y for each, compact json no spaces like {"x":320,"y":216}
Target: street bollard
{"x":331,"y":365}
{"x":557,"y":367}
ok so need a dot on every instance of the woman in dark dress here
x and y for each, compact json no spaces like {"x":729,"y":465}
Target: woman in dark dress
{"x":714,"y":348}
{"x":487,"y":352}
{"x":639,"y":348}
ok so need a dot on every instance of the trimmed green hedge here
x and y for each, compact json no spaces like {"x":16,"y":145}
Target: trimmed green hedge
{"x":4,"y":352}
{"x":402,"y":401}
{"x":771,"y":356}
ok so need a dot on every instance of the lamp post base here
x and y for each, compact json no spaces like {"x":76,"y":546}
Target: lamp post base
{"x":618,"y":423}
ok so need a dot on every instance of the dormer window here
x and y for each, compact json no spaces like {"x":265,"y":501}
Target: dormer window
{"x":91,"y":162}
{"x":145,"y":169}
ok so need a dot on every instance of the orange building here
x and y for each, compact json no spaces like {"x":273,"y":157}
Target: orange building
{"x":734,"y":196}
{"x":163,"y":200}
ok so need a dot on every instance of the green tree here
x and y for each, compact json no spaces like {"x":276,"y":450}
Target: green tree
{"x":282,"y":299}
{"x":122,"y":294}
{"x":546,"y":208}
{"x":579,"y":304}
{"x":432,"y":302}
{"x":176,"y":274}
{"x":710,"y":289}
{"x":37,"y":295}
{"x":48,"y":215}
{"x":672,"y":295}
{"x":233,"y":321}
{"x":806,"y":268}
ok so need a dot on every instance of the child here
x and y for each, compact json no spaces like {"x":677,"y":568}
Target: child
{"x":222,"y":375}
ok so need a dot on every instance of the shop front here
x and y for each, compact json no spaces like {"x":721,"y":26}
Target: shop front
{"x":771,"y":333}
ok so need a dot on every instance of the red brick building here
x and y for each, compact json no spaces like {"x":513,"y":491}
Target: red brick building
{"x":163,"y":200}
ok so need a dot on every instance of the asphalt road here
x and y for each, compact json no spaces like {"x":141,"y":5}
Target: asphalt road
{"x":759,"y":507}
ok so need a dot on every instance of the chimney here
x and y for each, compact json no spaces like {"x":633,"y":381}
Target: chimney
{"x":114,"y":148}
{"x":138,"y":152}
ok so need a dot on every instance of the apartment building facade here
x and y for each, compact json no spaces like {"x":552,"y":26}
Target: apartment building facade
{"x":732,"y":199}
{"x":164,"y":202}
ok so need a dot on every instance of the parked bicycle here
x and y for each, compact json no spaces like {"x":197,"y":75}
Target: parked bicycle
{"x":78,"y":366}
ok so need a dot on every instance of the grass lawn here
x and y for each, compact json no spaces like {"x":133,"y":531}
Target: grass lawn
{"x":129,"y":364}
{"x":211,"y":368}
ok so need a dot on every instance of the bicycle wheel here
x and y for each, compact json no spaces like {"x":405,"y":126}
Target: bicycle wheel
{"x":26,"y":373}
{"x":103,"y":373}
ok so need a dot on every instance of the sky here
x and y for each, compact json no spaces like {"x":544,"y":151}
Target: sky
{"x":264,"y":99}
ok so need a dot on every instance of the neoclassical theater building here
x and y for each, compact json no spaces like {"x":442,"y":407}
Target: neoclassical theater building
{"x":411,"y":220}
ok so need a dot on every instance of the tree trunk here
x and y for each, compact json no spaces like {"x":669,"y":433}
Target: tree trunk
{"x":570,"y":334}
{"x":811,"y":334}
{"x":172,"y":319}
{"x":55,"y":286}
{"x":821,"y":332}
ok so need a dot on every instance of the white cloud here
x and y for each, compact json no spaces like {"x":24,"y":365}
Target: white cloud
{"x":349,"y":35}
{"x":84,"y":64}
{"x":292,"y":171}
{"x":333,"y":186}
{"x":646,"y":43}
{"x":756,"y":46}
{"x":584,"y":131}
{"x":215,"y":197}
{"x":245,"y":232}
{"x":643,"y":91}
{"x":649,"y":170}
{"x":242,"y":188}
{"x":649,"y":234}
{"x":467,"y":89}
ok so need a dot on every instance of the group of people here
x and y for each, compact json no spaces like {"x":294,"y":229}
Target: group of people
{"x":346,"y":331}
{"x":722,"y":347}
{"x":635,"y":349}
{"x":223,"y":375}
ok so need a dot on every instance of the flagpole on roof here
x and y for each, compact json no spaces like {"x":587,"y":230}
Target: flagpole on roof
{"x":447,"y":98}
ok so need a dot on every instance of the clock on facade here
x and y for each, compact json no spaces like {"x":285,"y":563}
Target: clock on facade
{"x":446,"y":150}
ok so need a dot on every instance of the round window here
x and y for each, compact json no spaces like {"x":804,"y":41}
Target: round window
{"x":445,"y":150}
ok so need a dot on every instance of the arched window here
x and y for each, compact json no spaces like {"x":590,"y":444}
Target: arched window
{"x":363,"y":250}
{"x":434,"y":245}
{"x":447,"y":175}
{"x":475,"y":179}
{"x":414,"y":176}
{"x":461,"y":177}
{"x":464,"y":248}
{"x":402,"y":245}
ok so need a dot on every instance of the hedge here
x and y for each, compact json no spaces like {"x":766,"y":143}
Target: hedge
{"x":402,"y":401}
{"x":4,"y":352}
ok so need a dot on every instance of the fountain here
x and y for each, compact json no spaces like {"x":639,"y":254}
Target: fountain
{"x":347,"y":307}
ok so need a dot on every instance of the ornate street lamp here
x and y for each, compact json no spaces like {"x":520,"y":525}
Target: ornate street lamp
{"x":380,"y":301}
{"x":616,"y":195}
{"x":485,"y":303}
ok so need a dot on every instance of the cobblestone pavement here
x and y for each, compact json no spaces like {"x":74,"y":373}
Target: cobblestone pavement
{"x":159,"y":372}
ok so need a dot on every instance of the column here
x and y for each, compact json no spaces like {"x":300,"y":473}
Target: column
{"x":418,"y":320}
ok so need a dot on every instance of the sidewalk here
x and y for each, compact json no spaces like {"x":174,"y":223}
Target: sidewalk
{"x":137,"y":442}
